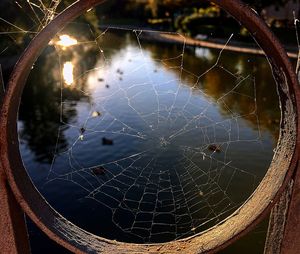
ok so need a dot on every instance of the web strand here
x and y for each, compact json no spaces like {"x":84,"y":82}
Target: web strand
{"x":161,"y":200}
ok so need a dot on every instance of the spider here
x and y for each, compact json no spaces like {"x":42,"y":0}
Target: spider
{"x":215,"y":148}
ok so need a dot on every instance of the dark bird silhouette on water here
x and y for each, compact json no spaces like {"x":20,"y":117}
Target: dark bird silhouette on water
{"x":106,"y":141}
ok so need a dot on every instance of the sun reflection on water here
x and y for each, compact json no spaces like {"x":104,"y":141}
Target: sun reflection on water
{"x":68,"y":73}
{"x":64,"y":41}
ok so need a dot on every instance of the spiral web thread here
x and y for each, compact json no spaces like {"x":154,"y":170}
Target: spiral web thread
{"x":149,"y":198}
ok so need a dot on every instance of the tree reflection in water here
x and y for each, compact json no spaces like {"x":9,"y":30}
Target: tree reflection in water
{"x":40,"y":110}
{"x":217,"y":82}
{"x":83,"y":107}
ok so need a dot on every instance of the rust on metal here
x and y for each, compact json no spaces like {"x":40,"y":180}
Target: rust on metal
{"x":277,"y":222}
{"x":2,"y":89}
{"x":284,"y":226}
{"x":13,"y":231}
{"x":239,"y":223}
{"x":14,"y":236}
{"x":290,"y":241}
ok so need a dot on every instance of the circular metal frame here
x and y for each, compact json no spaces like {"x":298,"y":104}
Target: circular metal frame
{"x":239,"y":223}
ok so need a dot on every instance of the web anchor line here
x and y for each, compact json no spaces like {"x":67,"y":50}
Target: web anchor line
{"x":136,"y":120}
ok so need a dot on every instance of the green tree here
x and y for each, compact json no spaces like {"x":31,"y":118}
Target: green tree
{"x":261,"y":4}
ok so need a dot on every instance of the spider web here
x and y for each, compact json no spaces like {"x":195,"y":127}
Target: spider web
{"x":149,"y":143}
{"x":160,"y":153}
{"x":36,"y":11}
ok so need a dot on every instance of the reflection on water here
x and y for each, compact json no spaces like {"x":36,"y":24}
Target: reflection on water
{"x":64,"y":41}
{"x":153,"y":144}
{"x":68,"y":73}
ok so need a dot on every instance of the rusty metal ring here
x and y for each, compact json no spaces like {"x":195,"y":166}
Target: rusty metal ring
{"x":240,"y":222}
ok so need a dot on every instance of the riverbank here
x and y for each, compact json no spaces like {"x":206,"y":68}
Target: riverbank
{"x":172,"y":37}
{"x":234,"y":46}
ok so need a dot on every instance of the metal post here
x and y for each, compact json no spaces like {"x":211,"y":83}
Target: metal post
{"x":2,"y":88}
{"x":284,"y":223}
{"x":291,"y":240}
{"x":13,"y":231}
{"x":277,"y":222}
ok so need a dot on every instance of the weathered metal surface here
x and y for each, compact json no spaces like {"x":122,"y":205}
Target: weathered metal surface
{"x":2,"y":89}
{"x":14,"y":237}
{"x":291,"y":241}
{"x":239,"y":223}
{"x":284,"y":224}
{"x":277,"y":222}
{"x":290,"y":238}
{"x":13,"y":232}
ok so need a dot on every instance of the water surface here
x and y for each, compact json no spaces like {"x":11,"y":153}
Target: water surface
{"x":141,"y":141}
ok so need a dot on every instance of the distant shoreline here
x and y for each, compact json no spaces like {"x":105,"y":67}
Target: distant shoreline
{"x":215,"y":44}
{"x":234,"y":46}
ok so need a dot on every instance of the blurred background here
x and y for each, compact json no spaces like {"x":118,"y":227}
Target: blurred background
{"x":198,"y":19}
{"x":193,"y":18}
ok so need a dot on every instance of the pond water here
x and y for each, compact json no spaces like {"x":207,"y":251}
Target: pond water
{"x":141,"y":141}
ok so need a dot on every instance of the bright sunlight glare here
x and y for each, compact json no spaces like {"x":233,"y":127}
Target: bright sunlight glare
{"x":68,"y":73}
{"x":66,"y":41}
